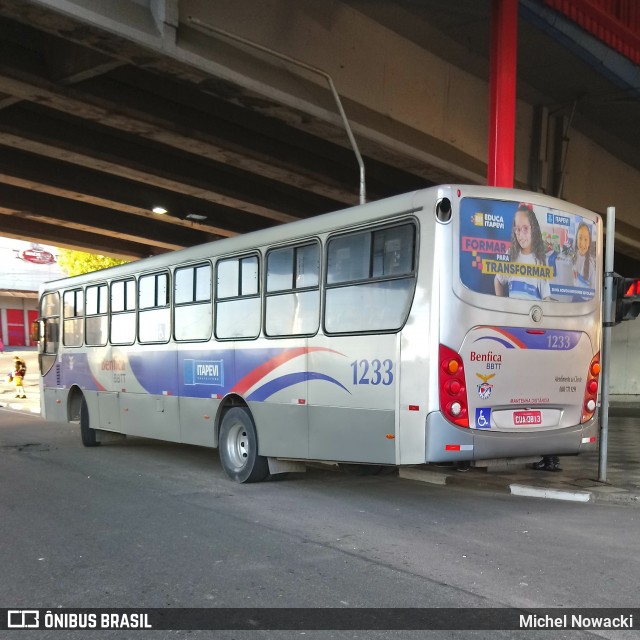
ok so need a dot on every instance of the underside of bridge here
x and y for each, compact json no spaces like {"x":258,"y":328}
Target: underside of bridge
{"x":97,"y":130}
{"x":96,"y":133}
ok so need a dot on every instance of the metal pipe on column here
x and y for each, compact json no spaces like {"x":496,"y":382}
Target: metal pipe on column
{"x":608,"y":321}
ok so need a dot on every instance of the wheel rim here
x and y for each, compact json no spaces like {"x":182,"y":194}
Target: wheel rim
{"x":237,"y":446}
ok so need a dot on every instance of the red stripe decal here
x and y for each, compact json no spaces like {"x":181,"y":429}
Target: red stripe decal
{"x":267,"y":367}
{"x":508,"y":335}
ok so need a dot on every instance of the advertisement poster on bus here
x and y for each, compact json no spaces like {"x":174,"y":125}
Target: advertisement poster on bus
{"x":525,"y":251}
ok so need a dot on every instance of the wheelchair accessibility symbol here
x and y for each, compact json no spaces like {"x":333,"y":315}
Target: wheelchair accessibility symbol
{"x":483,"y":418}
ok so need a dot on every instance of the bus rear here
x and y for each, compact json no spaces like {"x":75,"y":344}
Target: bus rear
{"x":520,"y":326}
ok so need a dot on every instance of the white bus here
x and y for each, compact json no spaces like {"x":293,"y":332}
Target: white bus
{"x":455,"y":323}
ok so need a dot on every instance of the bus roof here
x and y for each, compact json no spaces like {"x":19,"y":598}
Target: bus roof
{"x":342,"y":219}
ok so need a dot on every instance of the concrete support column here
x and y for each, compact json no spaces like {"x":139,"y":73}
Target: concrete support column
{"x":3,"y":324}
{"x":502,"y":113}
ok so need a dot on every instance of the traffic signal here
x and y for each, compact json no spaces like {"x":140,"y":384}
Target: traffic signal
{"x":627,"y":298}
{"x":633,"y":288}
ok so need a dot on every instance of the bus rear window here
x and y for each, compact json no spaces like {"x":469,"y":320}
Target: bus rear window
{"x":527,"y":251}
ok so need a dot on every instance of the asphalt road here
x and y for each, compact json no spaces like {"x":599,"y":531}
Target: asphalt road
{"x":140,"y":523}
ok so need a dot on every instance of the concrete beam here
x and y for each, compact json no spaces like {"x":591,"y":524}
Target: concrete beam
{"x":179,"y":174}
{"x":66,"y":180}
{"x":23,"y":229}
{"x":29,"y":204}
{"x":180,"y":127}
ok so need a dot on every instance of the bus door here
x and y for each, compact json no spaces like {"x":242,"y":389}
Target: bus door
{"x":48,"y":346}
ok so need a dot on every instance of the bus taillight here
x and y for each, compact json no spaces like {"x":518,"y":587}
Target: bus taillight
{"x":591,"y":389}
{"x":453,"y":388}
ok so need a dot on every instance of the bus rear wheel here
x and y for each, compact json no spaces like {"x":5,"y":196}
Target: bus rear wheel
{"x":238,"y":447}
{"x":87,"y":434}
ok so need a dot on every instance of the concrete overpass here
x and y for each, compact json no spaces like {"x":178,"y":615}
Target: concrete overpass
{"x":111,"y":108}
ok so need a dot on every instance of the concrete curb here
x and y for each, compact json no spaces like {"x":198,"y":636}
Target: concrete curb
{"x":21,"y":408}
{"x":501,"y":484}
{"x":444,"y":476}
{"x":551,"y":494}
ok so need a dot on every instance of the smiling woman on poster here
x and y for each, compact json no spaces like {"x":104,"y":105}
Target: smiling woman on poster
{"x":584,"y":266}
{"x":526,"y":248}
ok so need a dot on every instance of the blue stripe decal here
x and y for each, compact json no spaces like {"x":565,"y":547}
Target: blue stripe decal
{"x":500,"y":340}
{"x":547,"y":340}
{"x":273,"y":386}
{"x":74,"y":369}
{"x":201,"y":373}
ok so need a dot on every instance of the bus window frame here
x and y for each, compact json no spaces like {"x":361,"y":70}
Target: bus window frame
{"x":176,"y":305}
{"x":97,"y":285}
{"x":413,"y":274}
{"x":125,"y":310}
{"x":294,"y":246}
{"x":78,"y":318}
{"x":216,"y":314}
{"x":155,"y":307}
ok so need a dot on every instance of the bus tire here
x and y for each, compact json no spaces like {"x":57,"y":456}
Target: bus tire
{"x":238,"y":447}
{"x":87,"y":434}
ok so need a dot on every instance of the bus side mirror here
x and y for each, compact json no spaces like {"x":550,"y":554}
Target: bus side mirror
{"x":627,"y":292}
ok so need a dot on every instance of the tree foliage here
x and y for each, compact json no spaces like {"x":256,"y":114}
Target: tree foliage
{"x":74,"y":263}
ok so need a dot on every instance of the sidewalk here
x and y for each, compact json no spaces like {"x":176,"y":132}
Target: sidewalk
{"x":578,"y":480}
{"x":31,"y":381}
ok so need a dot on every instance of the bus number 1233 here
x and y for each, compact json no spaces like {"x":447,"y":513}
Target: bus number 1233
{"x":372,"y":372}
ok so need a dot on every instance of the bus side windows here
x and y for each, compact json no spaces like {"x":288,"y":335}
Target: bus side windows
{"x":237,"y":298}
{"x":96,"y":322}
{"x":393,"y":251}
{"x":154,"y":314}
{"x":192,"y":317}
{"x":73,"y":313}
{"x":348,"y":258}
{"x":52,"y":335}
{"x":293,"y":294}
{"x":370,"y":279}
{"x":123,"y":311}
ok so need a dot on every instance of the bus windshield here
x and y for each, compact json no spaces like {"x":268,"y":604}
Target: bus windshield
{"x":526,"y":251}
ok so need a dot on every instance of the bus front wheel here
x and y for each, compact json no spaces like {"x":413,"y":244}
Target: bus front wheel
{"x":87,"y":434}
{"x":238,"y":447}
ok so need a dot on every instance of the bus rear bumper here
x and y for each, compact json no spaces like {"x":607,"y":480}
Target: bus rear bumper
{"x":446,"y":442}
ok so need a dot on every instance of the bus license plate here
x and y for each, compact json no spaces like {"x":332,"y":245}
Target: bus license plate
{"x":527,"y":417}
